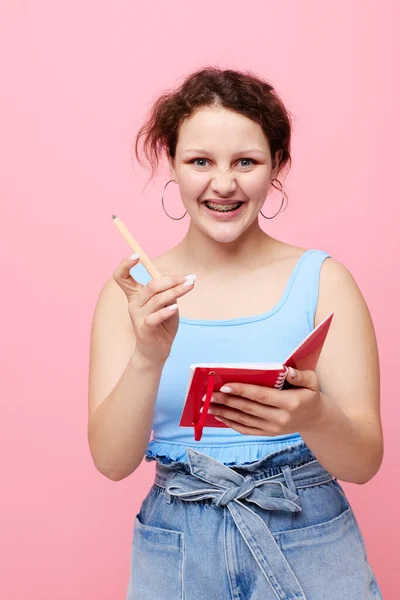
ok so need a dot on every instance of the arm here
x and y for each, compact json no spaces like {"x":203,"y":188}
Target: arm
{"x":122,"y":389}
{"x":349,"y":440}
{"x":334,"y":408}
{"x":120,"y":429}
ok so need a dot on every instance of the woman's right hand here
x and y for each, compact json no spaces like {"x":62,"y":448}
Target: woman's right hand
{"x":149,"y":306}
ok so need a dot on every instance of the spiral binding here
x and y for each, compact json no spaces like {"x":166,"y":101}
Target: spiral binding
{"x":281,"y":379}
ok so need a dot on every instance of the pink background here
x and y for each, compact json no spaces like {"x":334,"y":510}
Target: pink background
{"x":77,"y":80}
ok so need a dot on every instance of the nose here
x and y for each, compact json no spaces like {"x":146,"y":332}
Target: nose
{"x":223,"y":183}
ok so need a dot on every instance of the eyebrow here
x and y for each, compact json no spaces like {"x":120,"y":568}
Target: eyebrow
{"x":242,"y":152}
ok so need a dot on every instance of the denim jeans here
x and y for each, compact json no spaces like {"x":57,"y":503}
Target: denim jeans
{"x":279,"y":528}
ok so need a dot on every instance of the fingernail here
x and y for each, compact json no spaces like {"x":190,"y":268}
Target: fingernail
{"x":190,"y":279}
{"x":226,"y":389}
{"x":134,"y":256}
{"x":204,"y":397}
{"x":188,"y":282}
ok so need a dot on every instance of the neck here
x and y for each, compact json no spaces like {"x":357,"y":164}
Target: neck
{"x":201,"y":254}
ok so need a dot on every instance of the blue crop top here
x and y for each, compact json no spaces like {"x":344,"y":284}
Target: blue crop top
{"x":270,"y":336}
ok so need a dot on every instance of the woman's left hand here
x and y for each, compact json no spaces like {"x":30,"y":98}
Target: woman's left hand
{"x":259,"y":410}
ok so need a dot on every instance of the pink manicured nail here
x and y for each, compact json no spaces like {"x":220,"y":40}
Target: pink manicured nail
{"x":204,"y":397}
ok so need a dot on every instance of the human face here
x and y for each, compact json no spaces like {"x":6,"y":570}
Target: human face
{"x":222,"y":155}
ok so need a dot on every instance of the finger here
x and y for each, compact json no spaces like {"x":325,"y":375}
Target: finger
{"x":303,"y":378}
{"x":124,"y":279}
{"x":247,"y":392}
{"x":252,"y":414}
{"x":164,"y":290}
{"x":258,"y":393}
{"x":242,"y":404}
{"x":156,"y":318}
{"x":246,"y":429}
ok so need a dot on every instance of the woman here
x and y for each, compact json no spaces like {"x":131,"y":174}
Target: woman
{"x":254,"y":510}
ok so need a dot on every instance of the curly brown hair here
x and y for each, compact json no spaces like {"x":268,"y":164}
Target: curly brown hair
{"x":242,"y":92}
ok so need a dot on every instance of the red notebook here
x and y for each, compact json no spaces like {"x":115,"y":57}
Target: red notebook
{"x":204,"y":378}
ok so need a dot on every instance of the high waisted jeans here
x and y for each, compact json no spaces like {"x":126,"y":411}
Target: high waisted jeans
{"x":279,"y":528}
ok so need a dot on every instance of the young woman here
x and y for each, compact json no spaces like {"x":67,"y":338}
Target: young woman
{"x":254,"y":510}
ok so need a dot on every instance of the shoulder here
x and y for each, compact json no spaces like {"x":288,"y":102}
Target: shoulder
{"x":112,"y":292}
{"x":112,"y":304}
{"x":338,"y":292}
{"x":335,"y":277}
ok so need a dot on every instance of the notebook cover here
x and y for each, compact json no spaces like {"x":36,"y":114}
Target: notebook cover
{"x":305,"y":356}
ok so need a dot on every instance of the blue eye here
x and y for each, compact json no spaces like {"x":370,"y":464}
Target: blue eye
{"x":253,"y":161}
{"x":195,"y":159}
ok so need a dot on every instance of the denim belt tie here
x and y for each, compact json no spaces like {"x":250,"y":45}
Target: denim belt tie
{"x":213,"y":480}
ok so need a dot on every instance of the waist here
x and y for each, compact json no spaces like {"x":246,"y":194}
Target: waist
{"x":298,"y":458}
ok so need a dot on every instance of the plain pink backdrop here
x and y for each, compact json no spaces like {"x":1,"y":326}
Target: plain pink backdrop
{"x":77,"y":80}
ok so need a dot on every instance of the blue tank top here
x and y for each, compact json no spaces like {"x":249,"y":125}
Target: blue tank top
{"x":270,"y":336}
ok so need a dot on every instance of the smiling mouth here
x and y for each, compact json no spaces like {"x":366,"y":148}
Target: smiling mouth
{"x":223,"y":207}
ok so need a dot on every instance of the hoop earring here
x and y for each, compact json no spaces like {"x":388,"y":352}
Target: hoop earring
{"x":283,"y":199}
{"x":162,"y":202}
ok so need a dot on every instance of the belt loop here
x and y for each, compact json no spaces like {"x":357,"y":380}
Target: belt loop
{"x":287,"y":473}
{"x":161,"y":479}
{"x":168,"y":495}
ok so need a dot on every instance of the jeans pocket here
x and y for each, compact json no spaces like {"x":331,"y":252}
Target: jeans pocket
{"x":326,"y":557}
{"x":156,"y":563}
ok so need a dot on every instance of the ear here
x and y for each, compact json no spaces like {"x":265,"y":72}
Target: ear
{"x":276,"y":163}
{"x":171,"y":165}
